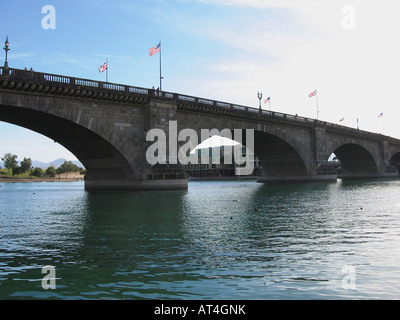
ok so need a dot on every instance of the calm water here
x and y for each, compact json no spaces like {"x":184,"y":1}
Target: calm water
{"x":218,"y":240}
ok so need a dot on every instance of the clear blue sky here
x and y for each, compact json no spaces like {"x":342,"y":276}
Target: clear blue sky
{"x":226,"y":50}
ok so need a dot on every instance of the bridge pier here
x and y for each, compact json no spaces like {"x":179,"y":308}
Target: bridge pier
{"x":167,"y":184}
{"x":367,"y":176}
{"x":157,"y":177}
{"x":296,"y":179}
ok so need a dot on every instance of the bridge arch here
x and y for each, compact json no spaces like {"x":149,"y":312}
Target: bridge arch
{"x":100,"y":157}
{"x":279,"y":158}
{"x":395,"y":161}
{"x":356,"y":160}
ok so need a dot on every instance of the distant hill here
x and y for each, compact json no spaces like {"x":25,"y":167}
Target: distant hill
{"x":55,"y":163}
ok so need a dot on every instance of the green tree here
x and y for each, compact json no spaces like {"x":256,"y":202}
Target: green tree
{"x":67,"y":167}
{"x":10,"y":161}
{"x":37,"y":172}
{"x":59,"y":172}
{"x":51,"y":172}
{"x":26,"y":164}
{"x":17,"y":171}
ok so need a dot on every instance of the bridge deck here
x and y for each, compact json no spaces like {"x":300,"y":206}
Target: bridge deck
{"x":32,"y":81}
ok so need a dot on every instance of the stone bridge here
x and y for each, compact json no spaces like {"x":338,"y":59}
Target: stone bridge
{"x":105,"y":126}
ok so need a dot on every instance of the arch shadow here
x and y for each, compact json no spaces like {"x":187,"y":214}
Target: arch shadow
{"x":395,"y":161}
{"x":100,"y":158}
{"x":279,"y":159}
{"x":356,"y":161}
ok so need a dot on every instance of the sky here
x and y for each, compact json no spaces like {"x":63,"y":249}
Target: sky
{"x":226,"y":50}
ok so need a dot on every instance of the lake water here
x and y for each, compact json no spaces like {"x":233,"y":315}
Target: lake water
{"x":217,"y":240}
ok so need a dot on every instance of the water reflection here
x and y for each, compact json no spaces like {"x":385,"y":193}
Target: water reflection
{"x":223,"y":240}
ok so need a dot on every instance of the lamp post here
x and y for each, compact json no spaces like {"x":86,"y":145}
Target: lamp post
{"x":6,"y":49}
{"x":259,"y":96}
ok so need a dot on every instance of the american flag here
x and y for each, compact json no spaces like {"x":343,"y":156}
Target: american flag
{"x":154,"y":50}
{"x":312,"y":94}
{"x":380,"y":115}
{"x":267,"y":100}
{"x":341,"y":119}
{"x":103,"y":67}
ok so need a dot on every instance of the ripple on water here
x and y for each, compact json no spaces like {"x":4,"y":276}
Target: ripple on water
{"x":218,"y":240}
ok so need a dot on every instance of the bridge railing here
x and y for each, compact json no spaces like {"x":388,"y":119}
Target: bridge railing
{"x":70,"y":82}
{"x":239,"y":108}
{"x":78,"y":83}
{"x":269,"y":114}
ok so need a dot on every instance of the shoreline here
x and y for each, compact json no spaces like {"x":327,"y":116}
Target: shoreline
{"x":15,"y":180}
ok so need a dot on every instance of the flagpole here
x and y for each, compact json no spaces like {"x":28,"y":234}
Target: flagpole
{"x":316,"y":99}
{"x":160,"y":67}
{"x":107,"y":70}
{"x":380,"y":116}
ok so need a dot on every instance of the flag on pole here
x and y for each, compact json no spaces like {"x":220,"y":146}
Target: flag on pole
{"x":103,"y":67}
{"x":312,"y":94}
{"x":341,"y":119}
{"x":380,"y":115}
{"x":267,"y":100}
{"x":154,"y":50}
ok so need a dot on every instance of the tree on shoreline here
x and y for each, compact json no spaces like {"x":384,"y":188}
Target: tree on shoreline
{"x":37,"y":172}
{"x":10,"y":161}
{"x":26,"y":164}
{"x":51,"y":172}
{"x":25,"y":167}
{"x":67,"y":167}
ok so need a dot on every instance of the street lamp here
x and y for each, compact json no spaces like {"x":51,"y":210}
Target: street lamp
{"x":259,"y":96}
{"x":6,"y":49}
